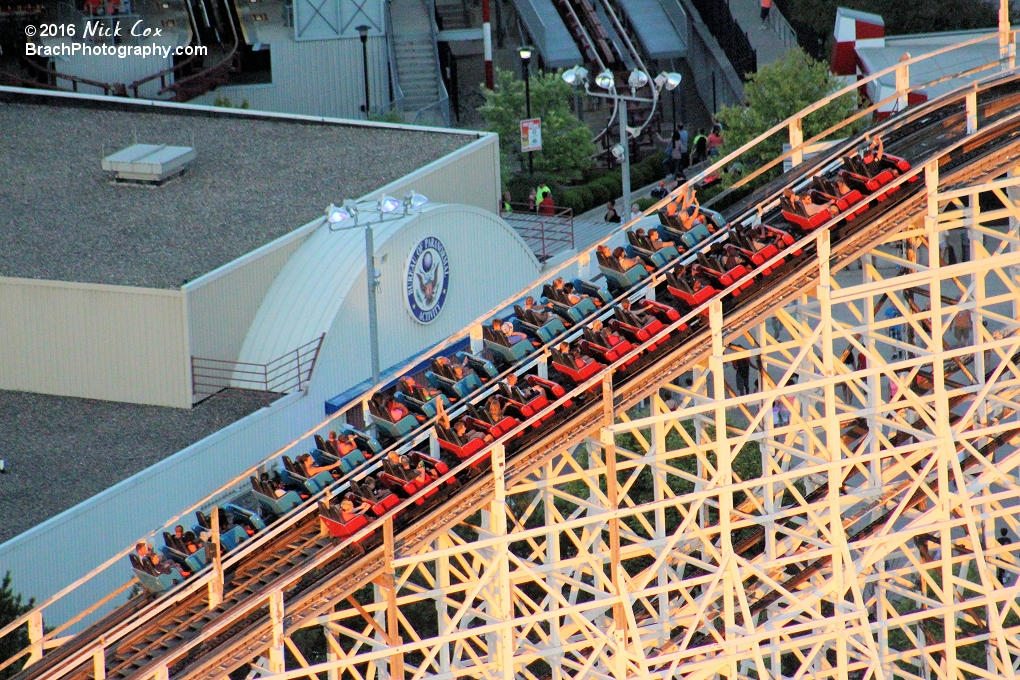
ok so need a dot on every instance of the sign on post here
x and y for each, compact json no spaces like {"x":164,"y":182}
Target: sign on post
{"x":531,"y":135}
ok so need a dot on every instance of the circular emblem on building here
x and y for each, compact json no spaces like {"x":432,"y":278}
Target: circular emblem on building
{"x":428,"y":279}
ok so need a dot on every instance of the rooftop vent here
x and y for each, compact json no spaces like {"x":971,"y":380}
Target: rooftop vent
{"x":148,"y":164}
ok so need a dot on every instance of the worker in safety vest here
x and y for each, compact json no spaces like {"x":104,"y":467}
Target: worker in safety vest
{"x":542,"y":191}
{"x":766,"y":7}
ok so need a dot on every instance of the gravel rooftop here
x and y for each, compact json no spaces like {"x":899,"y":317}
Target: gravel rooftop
{"x":254,"y":180}
{"x":61,"y":451}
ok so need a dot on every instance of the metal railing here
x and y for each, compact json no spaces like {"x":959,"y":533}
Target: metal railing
{"x":546,"y":234}
{"x":291,"y":371}
{"x":732,"y":39}
{"x":781,"y":27}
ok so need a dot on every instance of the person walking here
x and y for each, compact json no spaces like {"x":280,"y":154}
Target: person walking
{"x":766,"y":7}
{"x":850,"y":361}
{"x":742,"y":367}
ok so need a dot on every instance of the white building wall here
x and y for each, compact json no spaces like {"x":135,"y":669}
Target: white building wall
{"x":95,"y":341}
{"x":222,"y":304}
{"x":315,"y":78}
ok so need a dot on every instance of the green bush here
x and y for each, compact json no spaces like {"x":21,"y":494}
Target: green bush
{"x":573,"y":199}
{"x":646,"y":203}
{"x":586,"y":197}
{"x":613,"y":184}
{"x":600,"y":193}
{"x":640,"y":176}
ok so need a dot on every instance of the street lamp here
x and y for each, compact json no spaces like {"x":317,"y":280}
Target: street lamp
{"x":637,"y":79}
{"x":363,"y":32}
{"x":346,"y":217}
{"x":525,"y":53}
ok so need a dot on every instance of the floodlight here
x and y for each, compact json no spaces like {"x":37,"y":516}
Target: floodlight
{"x":669,"y":80}
{"x":605,"y":80}
{"x":575,"y":76}
{"x":617,"y":151}
{"x":335,"y":215}
{"x":388,"y":204}
{"x":414,"y":200}
{"x":638,"y":78}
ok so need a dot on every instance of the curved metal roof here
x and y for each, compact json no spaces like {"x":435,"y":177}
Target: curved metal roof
{"x":309,"y":291}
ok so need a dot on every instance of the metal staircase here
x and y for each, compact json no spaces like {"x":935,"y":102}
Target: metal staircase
{"x":414,"y":46}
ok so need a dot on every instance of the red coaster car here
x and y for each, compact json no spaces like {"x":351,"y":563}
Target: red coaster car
{"x":480,"y":420}
{"x":727,"y":278}
{"x":550,"y":387}
{"x":638,"y":325}
{"x":575,"y":369}
{"x":796,"y":214}
{"x":607,"y":347}
{"x":337,"y":527}
{"x":690,"y":296}
{"x":462,"y":448}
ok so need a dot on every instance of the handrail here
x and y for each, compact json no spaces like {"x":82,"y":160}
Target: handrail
{"x":397,"y":102}
{"x":164,"y":88}
{"x":116,"y":89}
{"x":199,"y":580}
{"x":280,"y":375}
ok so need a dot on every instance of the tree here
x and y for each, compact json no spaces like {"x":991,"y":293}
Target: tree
{"x":775,"y":93}
{"x":10,"y":609}
{"x":567,"y":147}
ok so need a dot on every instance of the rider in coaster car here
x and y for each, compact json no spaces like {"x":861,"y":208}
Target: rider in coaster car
{"x":626,"y":262}
{"x":572,"y":354}
{"x":630,"y":316}
{"x":505,"y":329}
{"x":348,"y":512}
{"x":311,"y":469}
{"x":395,"y":410}
{"x":344,"y":445}
{"x":398,"y":465}
{"x":412,"y":388}
{"x":187,"y":540}
{"x":424,"y":474}
{"x":162,"y":567}
{"x":656,"y":240}
{"x":539,"y":312}
{"x":734,"y":258}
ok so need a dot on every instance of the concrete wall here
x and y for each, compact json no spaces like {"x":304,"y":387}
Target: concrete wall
{"x":94,"y":341}
{"x":706,"y":58}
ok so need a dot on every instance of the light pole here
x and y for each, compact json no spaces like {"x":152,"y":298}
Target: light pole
{"x":525,"y":53}
{"x":578,"y":76}
{"x":345,"y":218}
{"x":363,"y":32}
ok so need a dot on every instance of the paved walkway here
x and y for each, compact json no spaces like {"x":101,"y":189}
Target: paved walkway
{"x":590,"y":227}
{"x":771,"y":40}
